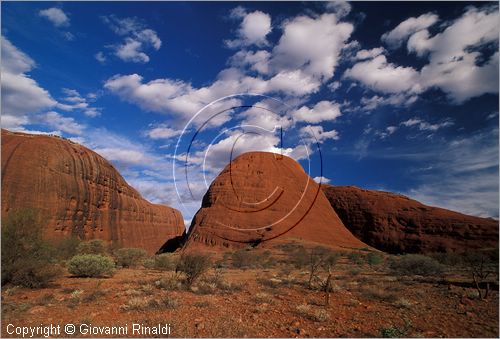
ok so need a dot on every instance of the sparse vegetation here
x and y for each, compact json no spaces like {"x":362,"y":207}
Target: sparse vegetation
{"x":356,"y":258}
{"x":298,"y":256}
{"x":482,"y":264}
{"x":374,"y":259}
{"x":193,"y":265}
{"x":244,"y":258}
{"x":311,"y":313}
{"x":66,"y":248}
{"x":170,"y":282}
{"x":91,"y":265}
{"x":165,"y":262}
{"x":95,"y":246}
{"x":26,"y":257}
{"x":148,"y":303}
{"x":202,"y":304}
{"x":392,"y":332}
{"x":416,"y":264}
{"x":378,"y":293}
{"x":129,"y":257}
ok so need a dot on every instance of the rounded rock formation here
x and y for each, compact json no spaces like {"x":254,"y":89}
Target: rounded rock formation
{"x":397,"y":224}
{"x":261,"y":197}
{"x":77,"y":192}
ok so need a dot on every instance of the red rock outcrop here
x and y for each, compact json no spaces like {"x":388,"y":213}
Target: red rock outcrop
{"x":397,"y":224}
{"x":77,"y":192}
{"x":261,"y":197}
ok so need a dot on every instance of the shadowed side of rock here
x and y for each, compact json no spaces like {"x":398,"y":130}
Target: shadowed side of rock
{"x":397,"y":224}
{"x":77,"y":192}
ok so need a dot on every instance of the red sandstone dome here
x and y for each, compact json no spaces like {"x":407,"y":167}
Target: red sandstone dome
{"x":397,"y":224}
{"x":261,"y":197}
{"x":78,"y":192}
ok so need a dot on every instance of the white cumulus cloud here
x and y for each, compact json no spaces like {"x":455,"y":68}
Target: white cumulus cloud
{"x":254,"y":28}
{"x":56,"y":16}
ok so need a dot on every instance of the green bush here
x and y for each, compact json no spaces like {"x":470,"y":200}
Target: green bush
{"x":26,"y":257}
{"x":448,"y":259}
{"x":416,"y":264}
{"x":193,"y":265}
{"x":356,"y":258}
{"x":392,"y":332}
{"x":95,"y":246}
{"x":374,"y":259}
{"x":298,"y":256}
{"x":129,"y":257}
{"x":66,"y":248}
{"x":165,"y":262}
{"x":243,"y":259}
{"x":91,"y":265}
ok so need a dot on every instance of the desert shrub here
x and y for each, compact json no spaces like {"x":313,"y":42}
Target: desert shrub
{"x":201,"y":304}
{"x":142,"y":303}
{"x":314,"y":314}
{"x":91,"y":265}
{"x":270,"y":282}
{"x":45,"y":299}
{"x":129,"y":257}
{"x":93,"y":295}
{"x":481,"y":265}
{"x":170,"y":282}
{"x":378,"y":293}
{"x":298,"y":256}
{"x":148,"y":262}
{"x":448,"y":259}
{"x":392,"y":332}
{"x":193,"y":265}
{"x":243,"y":259}
{"x":204,"y":287}
{"x":320,"y":258}
{"x":354,"y":271}
{"x":95,"y":246}
{"x":374,"y":259}
{"x":261,"y":297}
{"x":67,"y":248}
{"x":403,"y":303}
{"x":416,"y":264}
{"x":356,"y":258}
{"x":265,"y":260}
{"x":26,"y":257}
{"x":165,"y":262}
{"x":136,"y":303}
{"x":216,"y":282}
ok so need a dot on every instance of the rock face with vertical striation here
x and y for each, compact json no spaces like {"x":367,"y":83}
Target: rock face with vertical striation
{"x":264,"y":197}
{"x":397,"y":224}
{"x":78,"y":192}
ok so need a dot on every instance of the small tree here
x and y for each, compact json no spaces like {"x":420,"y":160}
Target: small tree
{"x":481,"y":265}
{"x":316,"y":258}
{"x":329,"y":261}
{"x":193,"y":265}
{"x":26,"y":257}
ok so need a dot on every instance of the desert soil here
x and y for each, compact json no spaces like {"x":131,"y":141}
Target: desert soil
{"x":274,"y":302}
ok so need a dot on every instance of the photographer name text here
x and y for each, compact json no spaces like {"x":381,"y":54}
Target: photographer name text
{"x":51,"y":330}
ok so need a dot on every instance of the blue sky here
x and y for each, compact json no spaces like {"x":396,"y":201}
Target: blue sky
{"x":394,"y":96}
